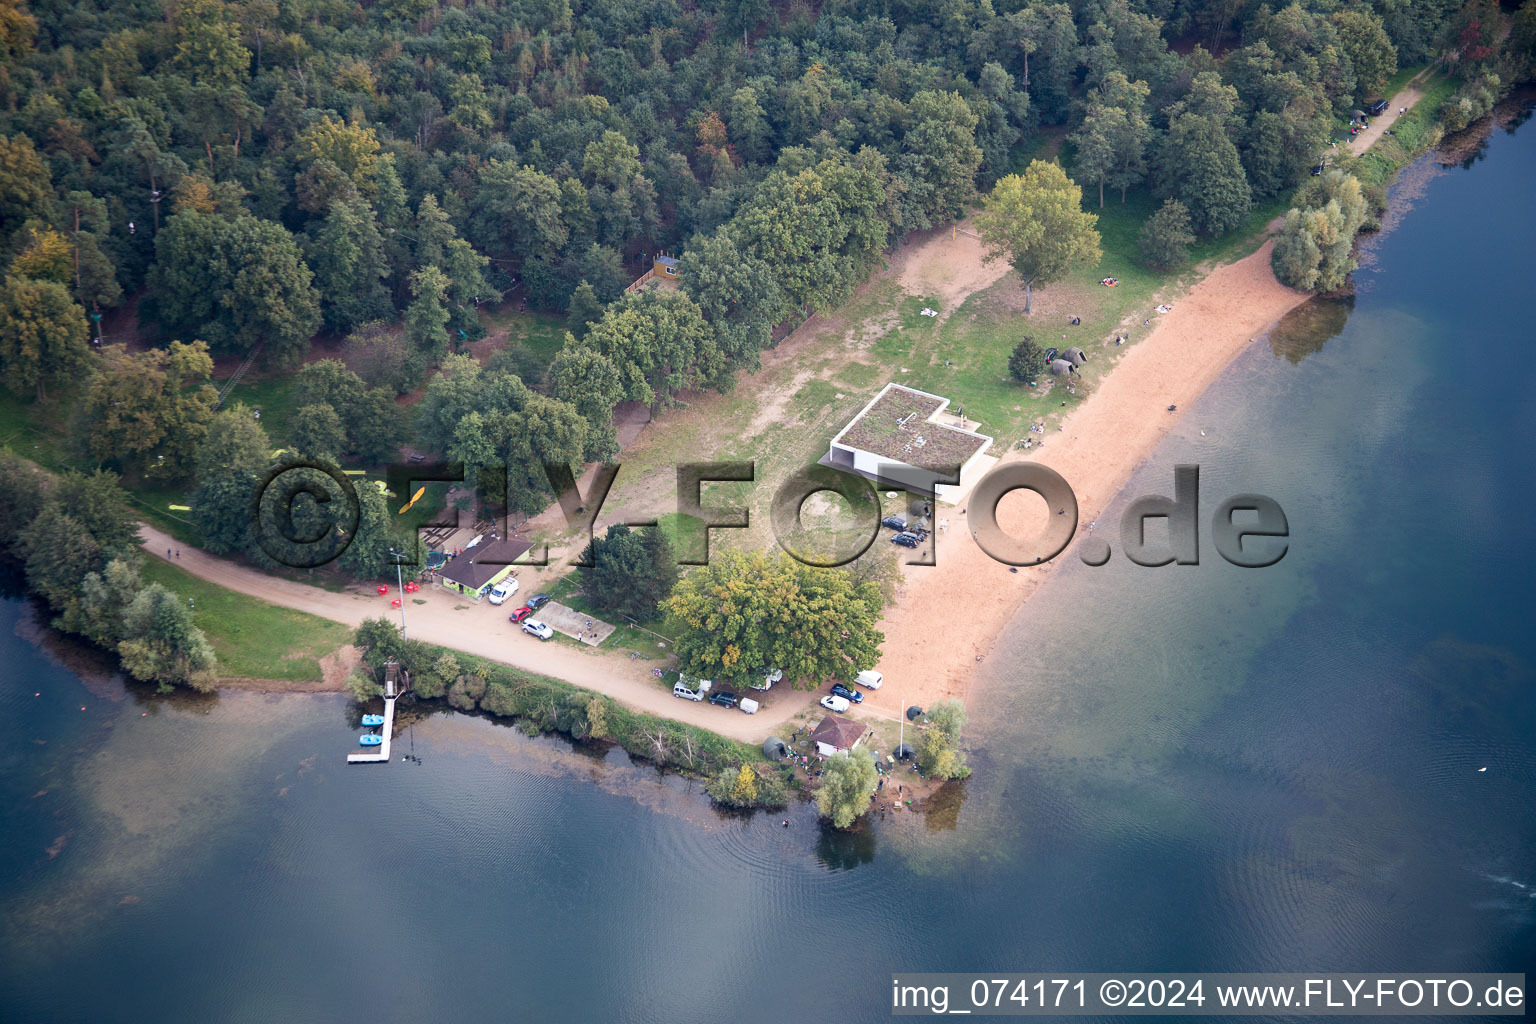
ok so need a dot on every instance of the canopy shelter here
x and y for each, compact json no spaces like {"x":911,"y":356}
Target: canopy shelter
{"x":1075,"y":356}
{"x":1061,"y":366}
{"x":775,"y":748}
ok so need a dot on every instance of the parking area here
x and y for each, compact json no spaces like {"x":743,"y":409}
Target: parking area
{"x":574,"y":624}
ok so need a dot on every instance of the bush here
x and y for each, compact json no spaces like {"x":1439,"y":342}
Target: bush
{"x":362,"y":686}
{"x":466,"y":692}
{"x":747,"y":786}
{"x":938,"y":751}
{"x":1469,"y":103}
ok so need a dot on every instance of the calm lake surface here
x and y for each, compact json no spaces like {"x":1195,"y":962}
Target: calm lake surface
{"x":1186,"y":768}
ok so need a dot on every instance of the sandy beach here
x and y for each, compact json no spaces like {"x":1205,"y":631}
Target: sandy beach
{"x":1100,"y":445}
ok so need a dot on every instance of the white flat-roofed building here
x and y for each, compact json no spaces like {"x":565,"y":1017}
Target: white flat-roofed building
{"x":905,"y":439}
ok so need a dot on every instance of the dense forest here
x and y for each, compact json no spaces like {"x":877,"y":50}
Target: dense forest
{"x":247,"y":176}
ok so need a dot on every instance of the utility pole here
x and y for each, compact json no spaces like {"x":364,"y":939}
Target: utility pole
{"x":399,"y":557}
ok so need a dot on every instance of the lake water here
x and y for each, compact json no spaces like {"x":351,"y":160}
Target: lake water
{"x":1185,"y":768}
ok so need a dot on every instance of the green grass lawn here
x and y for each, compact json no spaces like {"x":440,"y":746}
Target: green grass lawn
{"x":273,"y":395}
{"x":36,"y":431}
{"x":539,"y":333}
{"x":251,"y":637}
{"x":640,"y":637}
{"x":1412,"y":133}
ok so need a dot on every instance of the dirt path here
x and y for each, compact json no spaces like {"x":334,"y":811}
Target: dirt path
{"x":1100,"y":444}
{"x":949,"y":264}
{"x":450,"y":621}
{"x":1404,"y":100}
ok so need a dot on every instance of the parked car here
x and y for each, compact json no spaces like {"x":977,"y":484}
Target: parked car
{"x":724,"y":698}
{"x":538,"y":601}
{"x":907,"y":540}
{"x":834,"y":703}
{"x":533,"y":627}
{"x":894,"y":522}
{"x":1379,"y":107}
{"x":501,"y":591}
{"x":839,"y":690}
{"x":766,"y":678}
{"x":691,"y":689}
{"x":869,"y":679}
{"x":521,"y":614}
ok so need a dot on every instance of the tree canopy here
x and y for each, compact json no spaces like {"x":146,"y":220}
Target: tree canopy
{"x":847,"y":782}
{"x":1036,"y":222}
{"x":631,"y":571}
{"x":746,"y":610}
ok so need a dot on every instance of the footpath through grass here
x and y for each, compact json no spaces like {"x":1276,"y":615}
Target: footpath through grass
{"x":251,"y":637}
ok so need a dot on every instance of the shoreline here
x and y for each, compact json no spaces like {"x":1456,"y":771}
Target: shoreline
{"x":1097,"y":448}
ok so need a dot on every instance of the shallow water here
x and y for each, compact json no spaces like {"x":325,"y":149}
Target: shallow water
{"x":1197,"y":767}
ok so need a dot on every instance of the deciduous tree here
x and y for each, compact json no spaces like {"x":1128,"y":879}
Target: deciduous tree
{"x":1036,"y":222}
{"x":743,"y":610}
{"x":938,"y":747}
{"x":236,"y":282}
{"x":847,"y":782}
{"x":1166,"y":236}
{"x":231,"y":459}
{"x":44,"y":339}
{"x":148,"y":411}
{"x":161,"y":644}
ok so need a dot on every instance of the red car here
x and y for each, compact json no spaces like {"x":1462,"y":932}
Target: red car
{"x":521,"y":614}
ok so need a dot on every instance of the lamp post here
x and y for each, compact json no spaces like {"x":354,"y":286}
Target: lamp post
{"x":399,"y":557}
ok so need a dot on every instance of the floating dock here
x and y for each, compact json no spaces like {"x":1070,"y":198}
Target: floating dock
{"x":381,"y":752}
{"x":392,"y":690}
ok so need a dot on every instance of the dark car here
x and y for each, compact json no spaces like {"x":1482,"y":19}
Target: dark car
{"x":852,"y":696}
{"x":521,"y":614}
{"x":725,"y":698}
{"x":907,"y":540}
{"x":538,"y":601}
{"x":894,"y":522}
{"x":1379,"y":107}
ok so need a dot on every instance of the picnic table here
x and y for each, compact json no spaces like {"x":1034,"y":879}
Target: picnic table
{"x":382,"y":589}
{"x":412,"y":587}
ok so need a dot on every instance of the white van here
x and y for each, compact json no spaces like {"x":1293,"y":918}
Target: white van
{"x":833,"y":702}
{"x":691,"y":689}
{"x":869,"y":679}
